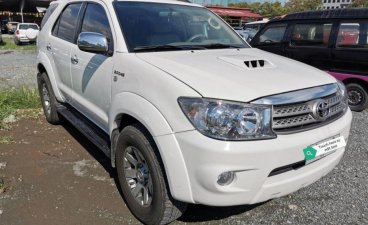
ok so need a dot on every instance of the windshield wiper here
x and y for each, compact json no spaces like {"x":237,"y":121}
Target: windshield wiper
{"x":219,"y":45}
{"x":165,"y":48}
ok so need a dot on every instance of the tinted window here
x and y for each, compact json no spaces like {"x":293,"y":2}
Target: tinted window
{"x":272,"y":34}
{"x":95,"y":20}
{"x":348,"y":35}
{"x":65,"y":27}
{"x":48,"y":13}
{"x":311,"y":34}
{"x":27,"y":26}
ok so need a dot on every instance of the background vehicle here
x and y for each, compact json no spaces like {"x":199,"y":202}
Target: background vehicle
{"x":331,"y":40}
{"x":256,"y":25}
{"x":185,"y":109}
{"x":11,"y":27}
{"x":26,"y":32}
{"x":3,"y":26}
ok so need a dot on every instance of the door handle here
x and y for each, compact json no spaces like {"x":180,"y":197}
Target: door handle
{"x":75,"y":59}
{"x":48,"y":47}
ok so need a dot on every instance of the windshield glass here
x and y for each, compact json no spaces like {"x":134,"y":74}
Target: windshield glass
{"x":162,"y":27}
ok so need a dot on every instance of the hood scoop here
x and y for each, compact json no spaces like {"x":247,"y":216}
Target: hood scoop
{"x":246,"y":61}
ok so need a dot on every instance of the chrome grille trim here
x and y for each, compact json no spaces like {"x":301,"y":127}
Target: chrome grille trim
{"x":297,"y":116}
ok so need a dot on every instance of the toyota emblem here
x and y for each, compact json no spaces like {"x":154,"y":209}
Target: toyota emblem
{"x":321,"y":110}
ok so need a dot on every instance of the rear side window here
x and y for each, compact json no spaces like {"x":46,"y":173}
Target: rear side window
{"x":48,"y":13}
{"x":27,"y":26}
{"x":272,"y":34}
{"x":95,"y":20}
{"x":67,"y":23}
{"x":349,"y":36}
{"x":316,"y":35}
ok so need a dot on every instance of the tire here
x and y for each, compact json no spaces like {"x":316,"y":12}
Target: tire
{"x":48,"y":99}
{"x":158,"y":207}
{"x":358,"y":97}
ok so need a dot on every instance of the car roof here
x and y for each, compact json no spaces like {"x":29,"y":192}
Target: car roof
{"x":351,"y":13}
{"x":178,"y":2}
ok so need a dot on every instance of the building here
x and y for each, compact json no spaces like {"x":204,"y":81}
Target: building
{"x":21,"y":10}
{"x":335,"y":4}
{"x":236,"y":17}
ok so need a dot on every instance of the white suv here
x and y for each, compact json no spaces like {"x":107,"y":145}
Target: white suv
{"x":26,"y":32}
{"x":185,"y":109}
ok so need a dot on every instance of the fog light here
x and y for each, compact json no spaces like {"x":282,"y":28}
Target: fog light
{"x":225,"y":178}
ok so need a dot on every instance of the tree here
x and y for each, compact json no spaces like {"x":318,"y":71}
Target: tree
{"x":360,"y":3}
{"x":302,"y":5}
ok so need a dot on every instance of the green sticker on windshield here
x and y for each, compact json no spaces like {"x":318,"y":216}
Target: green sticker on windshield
{"x":309,"y":153}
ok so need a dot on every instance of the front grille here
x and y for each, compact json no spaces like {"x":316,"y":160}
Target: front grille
{"x":301,"y":116}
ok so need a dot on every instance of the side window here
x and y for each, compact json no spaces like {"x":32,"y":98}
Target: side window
{"x":348,"y":36}
{"x":316,"y":35}
{"x":65,"y":27}
{"x":48,"y":13}
{"x":272,"y":34}
{"x":95,"y":20}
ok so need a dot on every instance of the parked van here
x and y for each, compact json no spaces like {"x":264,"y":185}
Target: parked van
{"x":331,"y":40}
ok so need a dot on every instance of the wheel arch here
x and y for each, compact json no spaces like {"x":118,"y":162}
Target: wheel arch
{"x":44,"y":65}
{"x":361,"y":82}
{"x":129,"y":108}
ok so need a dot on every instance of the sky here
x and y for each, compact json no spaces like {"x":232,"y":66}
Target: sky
{"x":226,"y":2}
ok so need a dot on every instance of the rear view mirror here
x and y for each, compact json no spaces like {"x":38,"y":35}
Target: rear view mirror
{"x":92,"y":42}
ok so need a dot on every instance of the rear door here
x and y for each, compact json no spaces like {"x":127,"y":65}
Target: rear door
{"x":59,"y":45}
{"x":350,"y":52}
{"x":91,"y":74}
{"x":271,"y":38}
{"x":309,"y":42}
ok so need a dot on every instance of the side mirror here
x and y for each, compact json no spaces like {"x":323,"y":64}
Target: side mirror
{"x":92,"y":42}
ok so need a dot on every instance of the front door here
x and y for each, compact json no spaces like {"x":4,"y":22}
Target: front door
{"x":271,"y":39}
{"x":92,"y":73}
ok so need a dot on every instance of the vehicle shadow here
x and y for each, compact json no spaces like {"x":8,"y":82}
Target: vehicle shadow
{"x":194,"y":213}
{"x":202,"y":213}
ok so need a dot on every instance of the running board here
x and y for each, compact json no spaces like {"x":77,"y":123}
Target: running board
{"x":87,"y":128}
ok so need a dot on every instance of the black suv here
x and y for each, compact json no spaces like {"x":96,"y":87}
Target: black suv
{"x":331,"y":40}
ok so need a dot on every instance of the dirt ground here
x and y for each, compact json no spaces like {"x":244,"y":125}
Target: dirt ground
{"x":55,"y":176}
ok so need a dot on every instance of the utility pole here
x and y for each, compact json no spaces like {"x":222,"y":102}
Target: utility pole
{"x":21,"y":9}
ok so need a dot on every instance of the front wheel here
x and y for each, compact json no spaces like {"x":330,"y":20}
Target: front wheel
{"x":358,"y":97}
{"x":142,"y":178}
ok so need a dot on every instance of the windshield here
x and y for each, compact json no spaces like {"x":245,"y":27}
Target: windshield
{"x":162,"y":27}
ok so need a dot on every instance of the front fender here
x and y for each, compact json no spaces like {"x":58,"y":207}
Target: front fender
{"x":147,"y":114}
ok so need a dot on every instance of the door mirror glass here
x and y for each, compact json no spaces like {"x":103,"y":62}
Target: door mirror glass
{"x":92,"y":42}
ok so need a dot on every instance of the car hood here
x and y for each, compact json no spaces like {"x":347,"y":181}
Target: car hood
{"x":237,"y":74}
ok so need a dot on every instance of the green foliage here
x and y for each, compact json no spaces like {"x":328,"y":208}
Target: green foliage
{"x":302,"y":5}
{"x":274,"y":9}
{"x":14,"y":99}
{"x":360,"y":3}
{"x":8,"y":44}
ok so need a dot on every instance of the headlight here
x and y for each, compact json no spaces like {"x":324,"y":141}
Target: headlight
{"x":227,"y":120}
{"x":343,"y":92}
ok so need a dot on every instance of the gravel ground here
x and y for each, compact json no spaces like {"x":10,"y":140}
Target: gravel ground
{"x":17,"y":68}
{"x":63,"y":179}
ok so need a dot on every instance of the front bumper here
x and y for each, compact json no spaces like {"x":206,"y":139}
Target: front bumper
{"x":253,"y":161}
